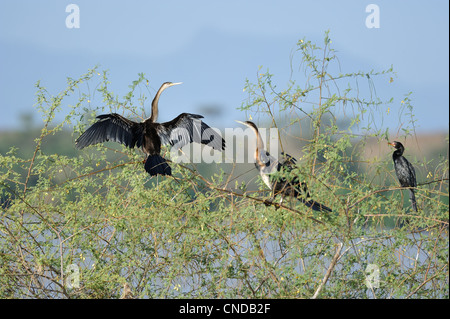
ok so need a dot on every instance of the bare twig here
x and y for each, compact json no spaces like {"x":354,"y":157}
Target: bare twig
{"x":329,"y":271}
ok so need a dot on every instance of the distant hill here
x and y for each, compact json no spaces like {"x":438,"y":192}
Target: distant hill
{"x":422,"y":150}
{"x":61,"y":143}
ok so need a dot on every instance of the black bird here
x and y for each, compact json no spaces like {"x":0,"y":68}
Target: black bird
{"x":267,"y":165}
{"x":405,"y":171}
{"x":149,"y":135}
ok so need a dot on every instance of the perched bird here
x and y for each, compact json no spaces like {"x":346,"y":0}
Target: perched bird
{"x":149,"y":135}
{"x":267,"y":165}
{"x":405,"y":171}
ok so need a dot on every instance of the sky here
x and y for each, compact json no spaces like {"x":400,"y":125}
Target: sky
{"x":214,"y":46}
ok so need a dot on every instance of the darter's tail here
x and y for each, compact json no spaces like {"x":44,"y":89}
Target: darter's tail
{"x":317,"y":206}
{"x":412,"y":197}
{"x":155,"y":164}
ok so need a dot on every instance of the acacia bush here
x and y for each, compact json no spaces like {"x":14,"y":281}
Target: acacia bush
{"x":87,"y":226}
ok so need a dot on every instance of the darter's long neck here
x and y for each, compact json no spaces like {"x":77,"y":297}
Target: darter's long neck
{"x":259,"y":148}
{"x":155,"y":101}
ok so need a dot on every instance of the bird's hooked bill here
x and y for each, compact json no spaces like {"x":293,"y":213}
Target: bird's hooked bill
{"x":175,"y":83}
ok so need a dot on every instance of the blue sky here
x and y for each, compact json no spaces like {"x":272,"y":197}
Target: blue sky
{"x":213,"y":46}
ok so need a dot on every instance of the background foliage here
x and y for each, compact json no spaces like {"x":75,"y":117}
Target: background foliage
{"x":205,"y":232}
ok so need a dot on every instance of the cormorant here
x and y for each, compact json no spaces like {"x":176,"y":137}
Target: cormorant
{"x":405,"y":171}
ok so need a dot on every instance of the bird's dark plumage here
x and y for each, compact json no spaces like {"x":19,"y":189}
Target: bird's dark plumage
{"x":149,"y":135}
{"x":294,"y":187}
{"x":187,"y":128}
{"x":405,"y":172}
{"x":267,"y":165}
{"x":155,"y":164}
{"x":112,"y":127}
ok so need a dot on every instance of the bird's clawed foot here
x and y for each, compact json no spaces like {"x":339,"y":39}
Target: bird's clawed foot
{"x":268,"y":202}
